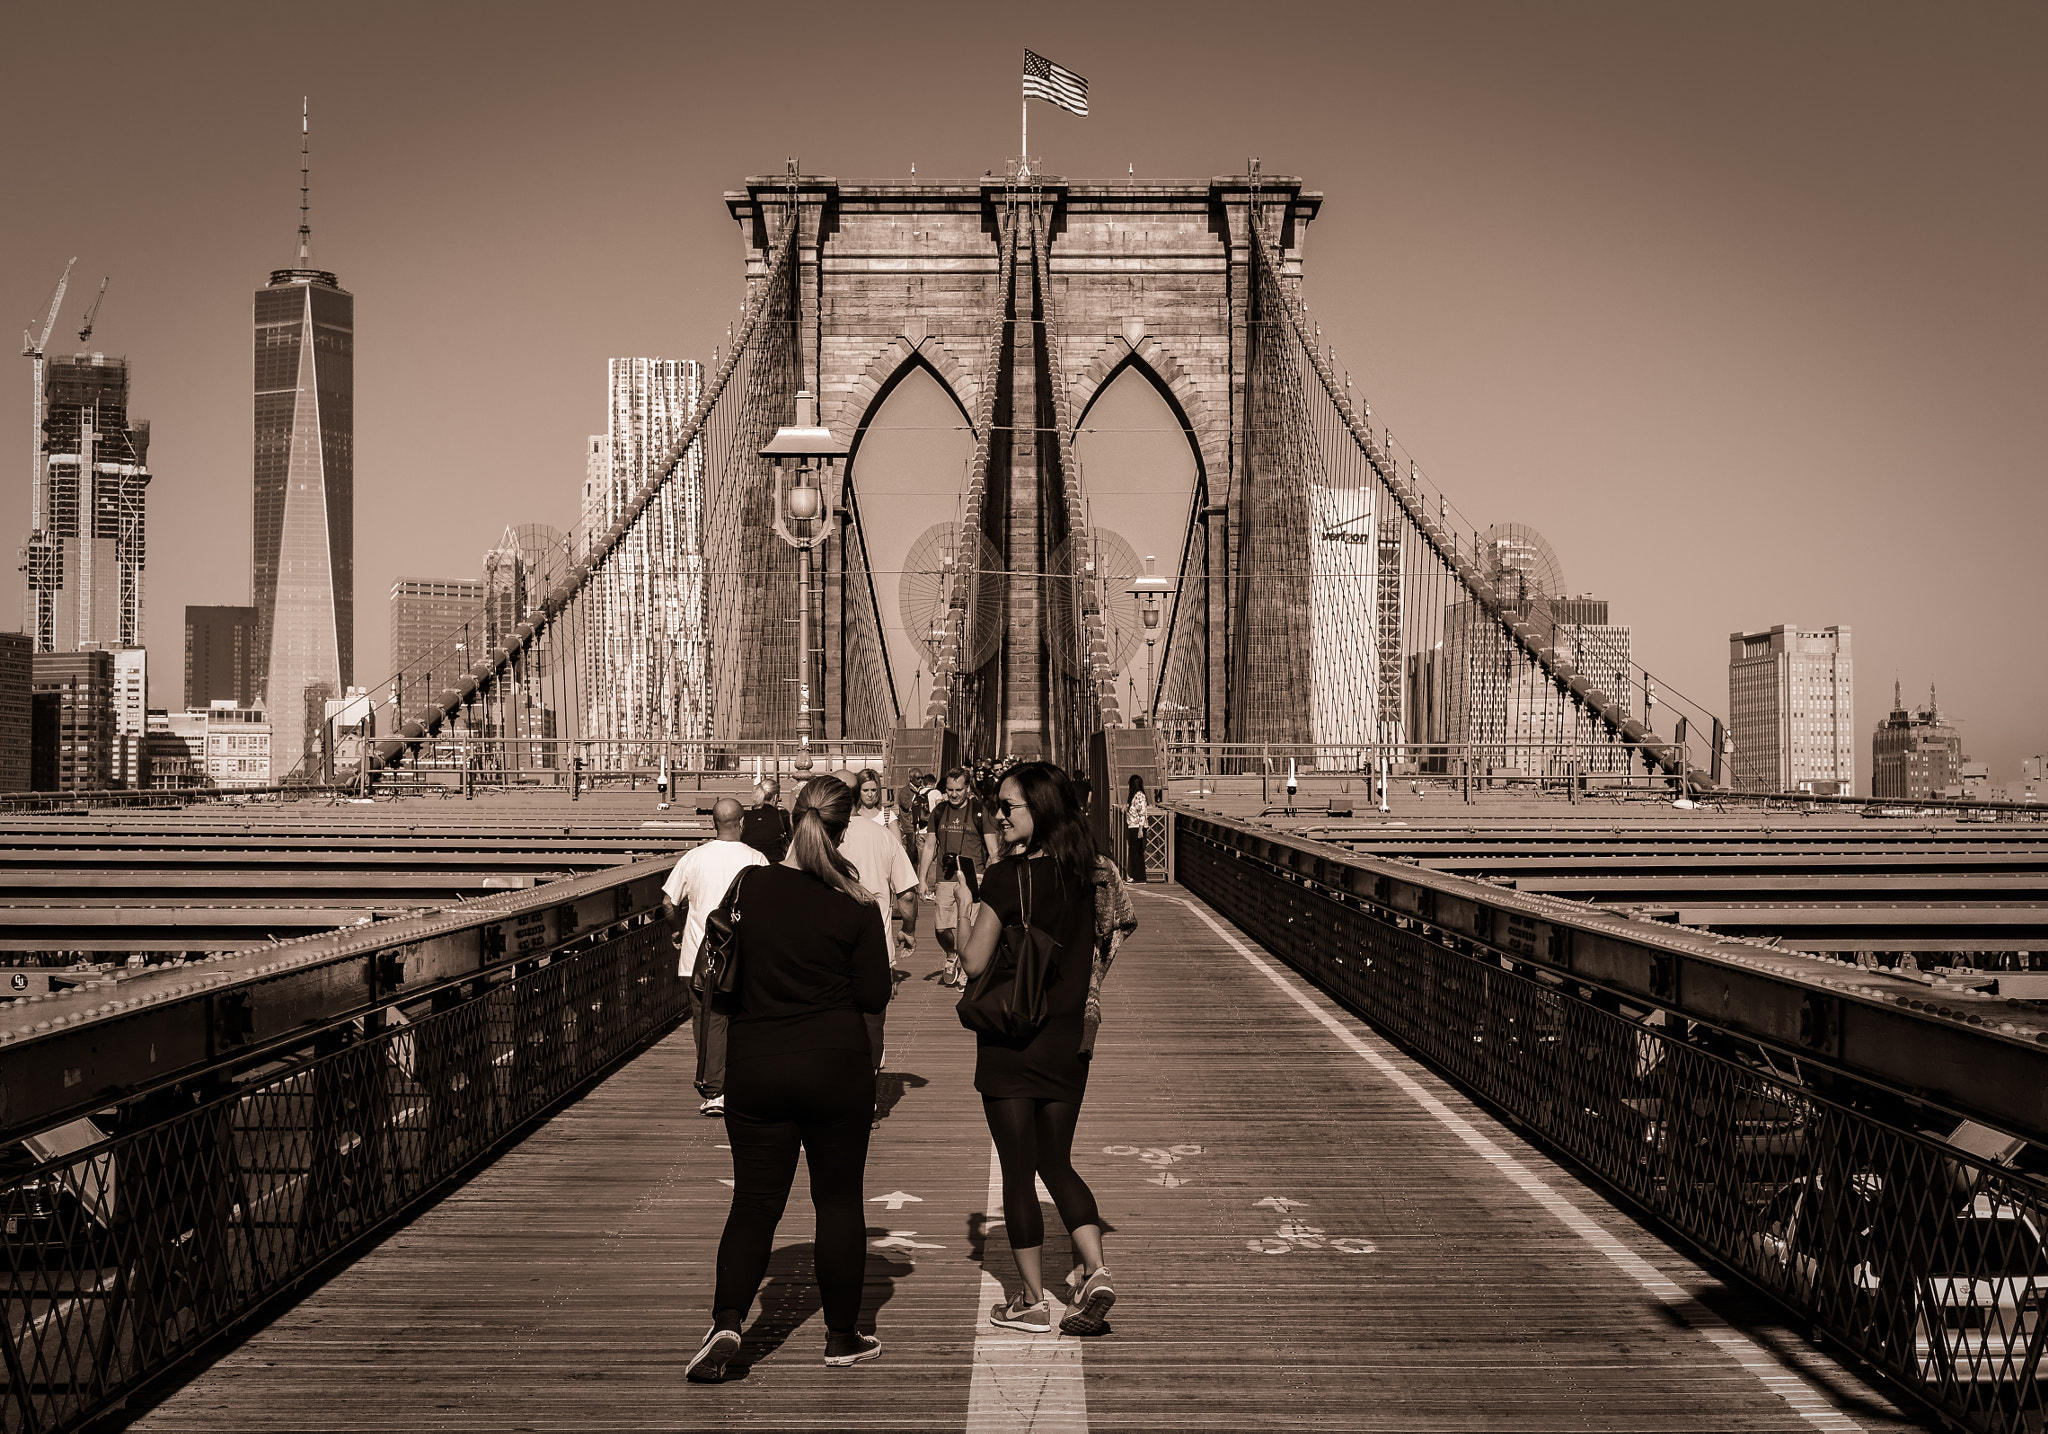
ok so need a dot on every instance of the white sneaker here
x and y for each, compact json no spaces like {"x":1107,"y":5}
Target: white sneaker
{"x":713,"y":1106}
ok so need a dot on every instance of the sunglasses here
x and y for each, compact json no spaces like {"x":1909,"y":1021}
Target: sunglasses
{"x":1006,"y":806}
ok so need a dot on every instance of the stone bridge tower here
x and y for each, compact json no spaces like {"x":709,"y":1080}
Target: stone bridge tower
{"x":1155,"y":275}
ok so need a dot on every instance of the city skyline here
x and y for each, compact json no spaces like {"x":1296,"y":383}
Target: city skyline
{"x":1699,"y":340}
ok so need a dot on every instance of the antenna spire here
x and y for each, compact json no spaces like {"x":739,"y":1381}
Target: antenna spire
{"x":305,"y":177}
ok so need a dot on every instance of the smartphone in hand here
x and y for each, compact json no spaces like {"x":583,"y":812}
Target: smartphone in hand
{"x":969,"y":878}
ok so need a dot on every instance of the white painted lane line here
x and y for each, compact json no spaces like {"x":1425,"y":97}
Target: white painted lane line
{"x":1022,"y":1382}
{"x":1774,"y":1376}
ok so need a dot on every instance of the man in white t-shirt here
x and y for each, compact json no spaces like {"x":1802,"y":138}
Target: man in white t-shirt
{"x":689,"y":896}
{"x":885,"y":870}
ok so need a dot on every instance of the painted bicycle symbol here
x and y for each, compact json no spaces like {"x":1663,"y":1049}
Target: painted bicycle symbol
{"x":1297,"y":1234}
{"x":1159,"y":1157}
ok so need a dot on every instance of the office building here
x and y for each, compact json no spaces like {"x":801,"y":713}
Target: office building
{"x":221,"y":656}
{"x":1915,"y":755}
{"x":2033,"y":783}
{"x":174,"y":747}
{"x":1499,"y":711}
{"x":71,"y":746}
{"x":85,"y":554}
{"x":238,"y":747}
{"x":131,"y":717}
{"x":1791,"y":710}
{"x":428,"y":617}
{"x":646,"y":640}
{"x":304,"y":472}
{"x":17,"y":729}
{"x":590,"y":521}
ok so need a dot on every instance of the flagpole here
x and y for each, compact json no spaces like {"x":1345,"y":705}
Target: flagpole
{"x":1024,"y":134}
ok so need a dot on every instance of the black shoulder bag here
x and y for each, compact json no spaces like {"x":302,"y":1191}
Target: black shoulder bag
{"x":717,"y":972}
{"x":1008,"y":998}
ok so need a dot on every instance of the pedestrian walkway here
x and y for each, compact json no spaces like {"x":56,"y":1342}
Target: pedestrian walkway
{"x":1309,"y":1230}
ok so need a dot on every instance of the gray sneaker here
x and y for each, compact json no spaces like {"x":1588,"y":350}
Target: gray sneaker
{"x":1032,"y":1319}
{"x":1090,"y":1312}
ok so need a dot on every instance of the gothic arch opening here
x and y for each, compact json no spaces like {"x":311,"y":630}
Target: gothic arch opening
{"x":908,"y":472}
{"x":1139,"y":471}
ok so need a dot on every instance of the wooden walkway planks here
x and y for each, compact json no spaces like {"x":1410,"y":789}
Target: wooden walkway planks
{"x":1411,"y":1286}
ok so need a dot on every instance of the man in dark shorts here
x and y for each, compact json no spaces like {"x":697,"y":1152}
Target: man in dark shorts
{"x":766,"y":825}
{"x":962,"y":830}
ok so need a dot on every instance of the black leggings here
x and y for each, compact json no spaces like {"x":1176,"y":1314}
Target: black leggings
{"x":1035,"y":1138}
{"x":825,"y":1102}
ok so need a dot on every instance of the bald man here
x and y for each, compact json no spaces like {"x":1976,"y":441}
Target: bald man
{"x":689,"y":896}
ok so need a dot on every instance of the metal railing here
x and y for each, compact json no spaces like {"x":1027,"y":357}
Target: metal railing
{"x":231,"y":1127}
{"x":127,"y":797}
{"x":1886,"y":1189}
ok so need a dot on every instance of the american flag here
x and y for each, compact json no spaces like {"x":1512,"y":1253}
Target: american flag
{"x":1043,"y":80}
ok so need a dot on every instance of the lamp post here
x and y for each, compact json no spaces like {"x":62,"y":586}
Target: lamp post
{"x":1148,"y":587}
{"x":801,"y":455}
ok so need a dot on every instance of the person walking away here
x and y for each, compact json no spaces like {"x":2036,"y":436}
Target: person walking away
{"x":962,"y":831}
{"x":1032,"y":1087}
{"x":1136,"y":810}
{"x":689,"y":896}
{"x":1083,"y":790}
{"x":767,"y":825}
{"x":813,"y":962}
{"x":881,"y":865}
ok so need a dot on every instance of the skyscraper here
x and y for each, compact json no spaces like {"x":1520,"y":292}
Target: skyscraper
{"x":591,"y":521}
{"x":304,"y":494}
{"x":16,"y":728}
{"x":1914,"y":755}
{"x":129,"y":766}
{"x":72,"y":741}
{"x":1502,"y":714}
{"x":426,"y":612}
{"x":221,"y":657}
{"x":646,"y":640}
{"x":85,"y":553}
{"x":1791,"y":709}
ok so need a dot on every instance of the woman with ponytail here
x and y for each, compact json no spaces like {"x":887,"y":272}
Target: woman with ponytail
{"x":814,"y":959}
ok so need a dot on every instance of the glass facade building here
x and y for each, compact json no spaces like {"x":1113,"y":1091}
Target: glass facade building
{"x":221,"y":660}
{"x":304,"y":501}
{"x":87,"y":546}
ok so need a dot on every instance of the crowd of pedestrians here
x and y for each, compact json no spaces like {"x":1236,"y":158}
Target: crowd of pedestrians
{"x":825,"y":910}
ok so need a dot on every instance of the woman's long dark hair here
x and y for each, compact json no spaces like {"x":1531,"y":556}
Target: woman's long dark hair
{"x":823,"y":808}
{"x":1057,"y":827}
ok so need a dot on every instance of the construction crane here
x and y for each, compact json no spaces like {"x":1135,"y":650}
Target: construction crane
{"x":93,"y":312}
{"x":32,"y":347}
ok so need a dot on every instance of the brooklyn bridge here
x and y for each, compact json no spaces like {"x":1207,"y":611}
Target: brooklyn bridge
{"x":1322,"y":596}
{"x":1483,"y":1058}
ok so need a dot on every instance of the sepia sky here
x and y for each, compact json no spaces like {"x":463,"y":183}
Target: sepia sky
{"x":1742,"y":306}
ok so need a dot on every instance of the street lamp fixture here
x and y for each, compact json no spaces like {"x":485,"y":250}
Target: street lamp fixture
{"x":802,"y":456}
{"x":1149,"y":589}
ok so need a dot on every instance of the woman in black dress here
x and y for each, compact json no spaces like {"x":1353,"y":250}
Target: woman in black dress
{"x":1031,"y":1089}
{"x":799,"y":1071}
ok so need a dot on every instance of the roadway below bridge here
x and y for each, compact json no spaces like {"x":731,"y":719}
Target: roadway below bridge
{"x":233,"y":876}
{"x":1310,"y":1230}
{"x":1944,"y":891}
